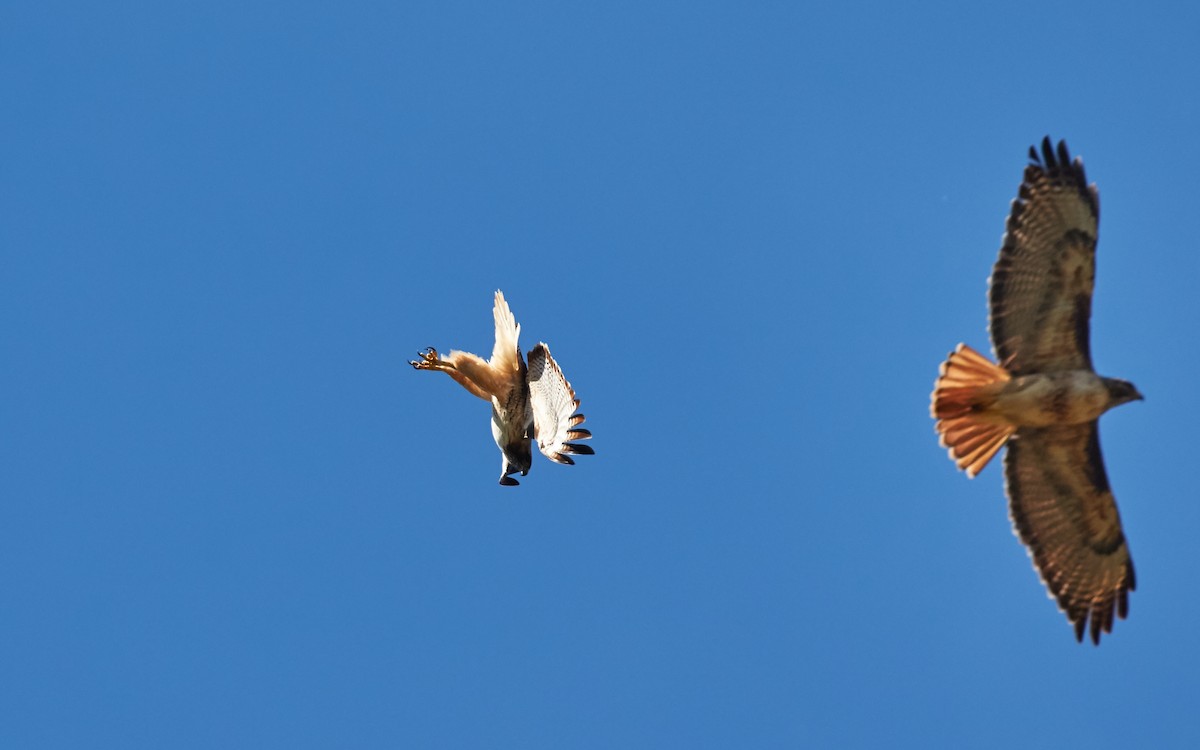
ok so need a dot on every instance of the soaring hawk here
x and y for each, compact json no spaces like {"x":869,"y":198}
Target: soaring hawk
{"x":528,"y":402}
{"x":1044,"y":399}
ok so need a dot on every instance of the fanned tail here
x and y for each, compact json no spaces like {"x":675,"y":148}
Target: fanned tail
{"x":965,"y":386}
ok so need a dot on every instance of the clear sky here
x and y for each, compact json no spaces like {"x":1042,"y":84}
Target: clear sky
{"x":234,"y":517}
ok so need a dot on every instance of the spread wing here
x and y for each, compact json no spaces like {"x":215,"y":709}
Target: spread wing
{"x":506,"y":353}
{"x":553,"y":400}
{"x":1063,"y":510}
{"x":1040,"y":294}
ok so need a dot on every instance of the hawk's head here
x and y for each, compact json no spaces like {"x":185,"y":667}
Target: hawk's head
{"x":518,"y":456}
{"x":1121,"y":391}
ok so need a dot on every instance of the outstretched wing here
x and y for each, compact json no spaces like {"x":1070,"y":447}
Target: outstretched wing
{"x":506,"y":353}
{"x":553,"y":400}
{"x":1063,"y":510}
{"x":1040,"y":295}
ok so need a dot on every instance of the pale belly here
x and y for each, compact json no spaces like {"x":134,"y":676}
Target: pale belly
{"x":1042,"y":400}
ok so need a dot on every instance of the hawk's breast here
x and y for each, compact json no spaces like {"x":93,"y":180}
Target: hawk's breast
{"x":1045,"y":399}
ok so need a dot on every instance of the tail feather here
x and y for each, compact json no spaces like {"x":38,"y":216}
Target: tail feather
{"x":966,"y":383}
{"x":966,"y":436}
{"x":972,"y":452}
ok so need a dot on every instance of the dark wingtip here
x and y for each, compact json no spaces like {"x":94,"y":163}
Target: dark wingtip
{"x":508,"y":481}
{"x":1048,"y":152}
{"x":1051,"y":156}
{"x":1054,"y":161}
{"x":1064,"y":156}
{"x":577,"y":449}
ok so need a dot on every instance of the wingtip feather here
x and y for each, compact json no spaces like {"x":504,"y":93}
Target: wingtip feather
{"x":555,"y":418}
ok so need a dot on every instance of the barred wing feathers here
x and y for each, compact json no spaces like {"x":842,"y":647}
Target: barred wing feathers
{"x":1040,"y":294}
{"x":1063,"y":510}
{"x":555,"y":421}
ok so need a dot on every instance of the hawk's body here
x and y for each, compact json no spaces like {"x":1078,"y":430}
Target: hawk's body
{"x":1045,"y":400}
{"x":533,"y":401}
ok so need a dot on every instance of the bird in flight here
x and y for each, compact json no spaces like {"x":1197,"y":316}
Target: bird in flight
{"x":529,"y":402}
{"x":1044,"y":398}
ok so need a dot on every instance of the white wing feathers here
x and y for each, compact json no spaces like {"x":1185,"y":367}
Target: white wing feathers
{"x":533,"y":402}
{"x":553,"y":402}
{"x":506,"y":356}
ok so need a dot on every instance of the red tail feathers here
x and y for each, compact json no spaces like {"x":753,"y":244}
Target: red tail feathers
{"x":966,"y":384}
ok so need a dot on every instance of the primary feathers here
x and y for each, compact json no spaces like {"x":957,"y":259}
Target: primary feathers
{"x":1044,"y":399}
{"x":528,"y":401}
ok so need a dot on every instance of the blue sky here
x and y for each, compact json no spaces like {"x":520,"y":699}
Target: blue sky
{"x":234,"y":517}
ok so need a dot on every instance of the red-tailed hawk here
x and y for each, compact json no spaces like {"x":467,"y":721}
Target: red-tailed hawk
{"x":527,"y":402}
{"x":1044,"y":398}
